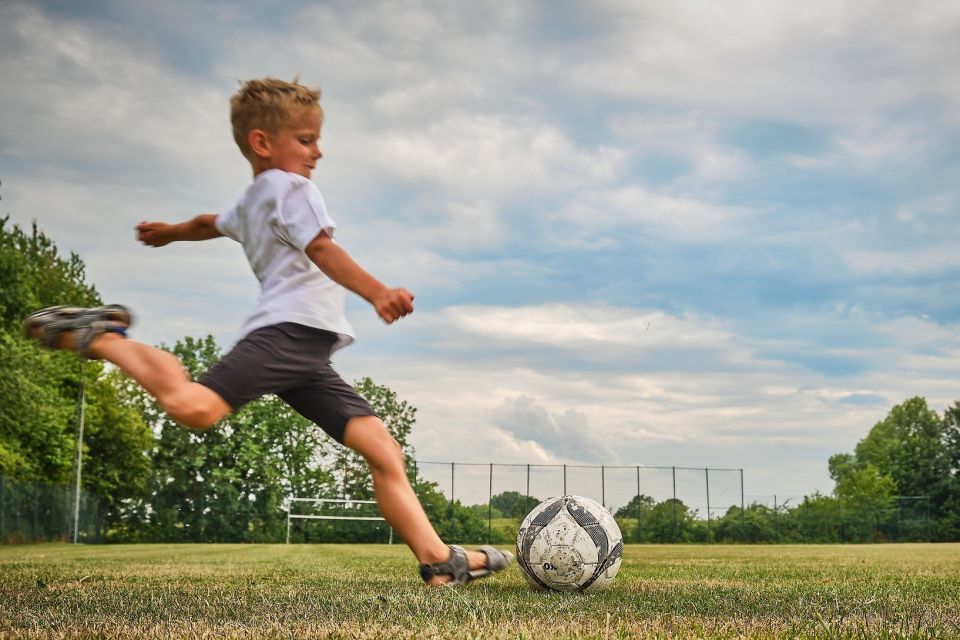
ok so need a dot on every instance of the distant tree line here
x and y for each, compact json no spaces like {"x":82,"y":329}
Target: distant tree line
{"x":157,"y":481}
{"x":901,"y":483}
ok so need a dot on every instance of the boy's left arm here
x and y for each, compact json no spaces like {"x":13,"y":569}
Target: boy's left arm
{"x":333,"y":260}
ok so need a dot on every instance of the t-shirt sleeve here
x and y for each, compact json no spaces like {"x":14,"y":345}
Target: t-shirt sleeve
{"x":227,"y":223}
{"x":304,"y":215}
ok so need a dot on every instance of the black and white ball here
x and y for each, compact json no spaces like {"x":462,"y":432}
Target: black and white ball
{"x":569,"y":543}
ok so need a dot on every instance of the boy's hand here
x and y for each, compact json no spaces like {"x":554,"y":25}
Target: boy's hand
{"x":154,"y":234}
{"x":393,"y":304}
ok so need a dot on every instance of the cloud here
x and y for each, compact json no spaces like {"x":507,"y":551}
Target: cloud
{"x":714,"y":235}
{"x":93,"y":98}
{"x":491,"y":156}
{"x":562,"y":436}
{"x":679,"y":218}
{"x":549,"y":371}
{"x":766,"y":59}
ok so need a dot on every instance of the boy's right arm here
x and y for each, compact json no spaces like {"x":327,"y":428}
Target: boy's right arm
{"x":391,"y":304}
{"x":157,"y":234}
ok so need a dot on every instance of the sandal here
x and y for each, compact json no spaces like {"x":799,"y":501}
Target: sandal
{"x":459,"y":568}
{"x":48,"y":326}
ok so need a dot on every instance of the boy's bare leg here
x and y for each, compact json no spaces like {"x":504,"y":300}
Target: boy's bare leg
{"x":398,"y":503}
{"x":163,"y":377}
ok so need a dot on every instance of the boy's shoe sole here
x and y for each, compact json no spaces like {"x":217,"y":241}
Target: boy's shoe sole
{"x":48,"y":326}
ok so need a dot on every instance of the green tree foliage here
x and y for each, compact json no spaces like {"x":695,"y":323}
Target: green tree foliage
{"x":818,"y":518}
{"x":399,"y":416}
{"x":34,"y":275}
{"x":907,"y":445}
{"x":638,"y":505}
{"x":228,"y":483}
{"x":39,"y":391}
{"x":632,"y":516}
{"x":513,"y":504}
{"x":866,"y":499}
{"x":916,"y":451}
{"x":671,"y":521}
{"x":40,"y":388}
{"x":453,"y":521}
{"x":38,"y":404}
{"x":116,"y":443}
{"x":757,"y":523}
{"x":948,"y":524}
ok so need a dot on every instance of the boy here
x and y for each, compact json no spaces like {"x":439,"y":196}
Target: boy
{"x":299,"y":320}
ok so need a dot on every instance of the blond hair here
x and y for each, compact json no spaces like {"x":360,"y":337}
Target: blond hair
{"x":268,"y":104}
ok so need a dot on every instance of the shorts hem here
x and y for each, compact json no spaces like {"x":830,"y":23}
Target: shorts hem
{"x":220,"y":391}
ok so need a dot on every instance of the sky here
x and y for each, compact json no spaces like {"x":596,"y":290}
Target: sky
{"x":691,"y":234}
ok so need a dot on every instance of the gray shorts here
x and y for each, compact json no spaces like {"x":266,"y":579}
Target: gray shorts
{"x":291,"y":361}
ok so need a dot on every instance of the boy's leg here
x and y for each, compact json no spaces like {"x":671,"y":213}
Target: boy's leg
{"x":398,"y":504}
{"x":162,"y":375}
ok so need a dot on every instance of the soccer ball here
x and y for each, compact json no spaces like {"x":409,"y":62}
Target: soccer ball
{"x":569,"y":543}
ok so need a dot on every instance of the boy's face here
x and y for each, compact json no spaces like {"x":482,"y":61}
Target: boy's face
{"x":296,"y":147}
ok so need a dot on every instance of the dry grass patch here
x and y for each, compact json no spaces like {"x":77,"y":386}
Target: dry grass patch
{"x":344,"y":591}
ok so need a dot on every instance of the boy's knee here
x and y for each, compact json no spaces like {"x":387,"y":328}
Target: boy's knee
{"x":192,"y":417}
{"x":370,"y":438}
{"x":194,"y":410}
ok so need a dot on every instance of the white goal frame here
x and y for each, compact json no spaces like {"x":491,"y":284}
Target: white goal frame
{"x":299,"y":516}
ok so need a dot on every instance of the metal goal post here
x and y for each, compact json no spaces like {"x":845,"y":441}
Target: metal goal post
{"x":346,"y":502}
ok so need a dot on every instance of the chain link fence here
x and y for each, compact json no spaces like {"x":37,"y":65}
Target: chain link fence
{"x":38,"y":512}
{"x":825,"y":519}
{"x":711,"y":492}
{"x":651,"y":504}
{"x":471,"y":503}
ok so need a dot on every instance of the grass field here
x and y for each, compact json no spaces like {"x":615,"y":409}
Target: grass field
{"x":372,"y":591}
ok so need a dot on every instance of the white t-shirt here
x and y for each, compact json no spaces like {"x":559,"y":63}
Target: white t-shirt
{"x":278,"y":216}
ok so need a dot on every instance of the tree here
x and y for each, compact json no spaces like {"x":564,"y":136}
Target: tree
{"x":818,"y":518}
{"x":916,"y":449}
{"x":948,"y":523}
{"x":116,"y":442}
{"x":866,"y":498}
{"x":670,"y":521}
{"x":757,"y":523}
{"x":39,"y":392}
{"x":513,"y":504}
{"x":638,"y":504}
{"x":454,"y":522}
{"x":34,"y":275}
{"x":635,"y":511}
{"x":228,"y":483}
{"x":908,"y":446}
{"x":38,"y":402}
{"x":353,"y":475}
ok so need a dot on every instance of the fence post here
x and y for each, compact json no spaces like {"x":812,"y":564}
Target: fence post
{"x":564,"y":479}
{"x":35,"y":509}
{"x":743,"y":510}
{"x":527,"y":504}
{"x":603,"y":486}
{"x":16,"y":509}
{"x":490,"y":505}
{"x":76,"y":499}
{"x":707,"y":472}
{"x":451,"y":519}
{"x":638,"y":503}
{"x":674,"y":504}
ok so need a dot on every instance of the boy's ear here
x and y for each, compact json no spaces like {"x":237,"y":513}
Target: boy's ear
{"x":259,"y":142}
